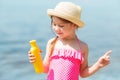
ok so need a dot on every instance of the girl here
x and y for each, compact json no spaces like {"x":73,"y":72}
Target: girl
{"x":67,"y":56}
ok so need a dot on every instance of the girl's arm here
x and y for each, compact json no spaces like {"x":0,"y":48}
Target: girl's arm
{"x":89,"y":70}
{"x":46,"y":61}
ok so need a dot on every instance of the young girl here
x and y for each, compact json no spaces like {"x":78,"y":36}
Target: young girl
{"x":67,"y":56}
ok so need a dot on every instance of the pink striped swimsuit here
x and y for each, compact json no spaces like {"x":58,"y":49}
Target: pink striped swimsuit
{"x":65,"y":64}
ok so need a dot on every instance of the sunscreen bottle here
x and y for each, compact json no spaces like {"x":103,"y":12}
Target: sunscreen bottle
{"x":38,"y":64}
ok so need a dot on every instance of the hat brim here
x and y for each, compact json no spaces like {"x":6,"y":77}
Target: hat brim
{"x":52,"y":12}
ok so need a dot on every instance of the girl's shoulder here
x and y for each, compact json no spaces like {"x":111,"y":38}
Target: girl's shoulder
{"x":51,"y":40}
{"x":84,"y":47}
{"x":84,"y":44}
{"x":51,"y":43}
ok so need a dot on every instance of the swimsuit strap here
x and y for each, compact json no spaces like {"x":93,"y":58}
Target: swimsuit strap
{"x":79,"y":42}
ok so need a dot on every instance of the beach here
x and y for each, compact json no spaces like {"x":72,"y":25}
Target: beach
{"x":24,"y":20}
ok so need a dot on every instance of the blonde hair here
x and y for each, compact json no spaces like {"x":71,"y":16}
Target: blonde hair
{"x":52,"y":45}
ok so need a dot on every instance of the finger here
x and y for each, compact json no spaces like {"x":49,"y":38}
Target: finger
{"x":108,"y":53}
{"x":41,"y":51}
{"x":32,"y":58}
{"x":30,"y":55}
{"x":107,"y":57}
{"x":29,"y":52}
{"x":32,"y":61}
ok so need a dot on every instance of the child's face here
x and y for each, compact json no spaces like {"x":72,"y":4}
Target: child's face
{"x":63,"y":28}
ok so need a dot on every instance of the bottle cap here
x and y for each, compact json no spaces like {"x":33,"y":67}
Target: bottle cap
{"x":33,"y":41}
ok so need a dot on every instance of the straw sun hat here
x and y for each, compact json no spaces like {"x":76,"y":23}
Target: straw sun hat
{"x":67,"y":11}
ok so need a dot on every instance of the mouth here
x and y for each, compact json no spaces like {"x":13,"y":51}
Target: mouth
{"x":59,"y":33}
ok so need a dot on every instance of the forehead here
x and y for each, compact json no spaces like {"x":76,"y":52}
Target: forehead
{"x":54,"y":19}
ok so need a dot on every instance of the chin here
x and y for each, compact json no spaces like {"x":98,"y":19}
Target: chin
{"x":60,"y":36}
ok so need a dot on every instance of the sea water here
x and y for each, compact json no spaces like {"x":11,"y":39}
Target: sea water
{"x":24,"y":20}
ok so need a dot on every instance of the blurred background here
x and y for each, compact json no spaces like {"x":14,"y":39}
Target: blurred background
{"x":24,"y":20}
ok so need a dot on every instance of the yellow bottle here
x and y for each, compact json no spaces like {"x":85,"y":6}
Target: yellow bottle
{"x":38,"y":64}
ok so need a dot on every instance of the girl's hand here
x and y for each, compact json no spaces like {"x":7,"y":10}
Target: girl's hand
{"x":105,"y":59}
{"x":31,"y":57}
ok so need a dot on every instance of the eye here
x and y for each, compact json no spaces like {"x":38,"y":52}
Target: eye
{"x":61,"y":26}
{"x":53,"y":24}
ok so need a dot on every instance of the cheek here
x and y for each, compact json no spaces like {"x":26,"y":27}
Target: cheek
{"x":70,"y":31}
{"x":54,"y":28}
